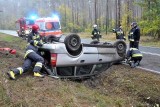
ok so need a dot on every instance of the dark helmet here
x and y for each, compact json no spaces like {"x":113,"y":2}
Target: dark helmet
{"x":134,"y":24}
{"x":35,"y":27}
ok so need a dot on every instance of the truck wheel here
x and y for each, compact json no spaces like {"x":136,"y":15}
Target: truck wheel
{"x":121,"y":47}
{"x":72,"y":42}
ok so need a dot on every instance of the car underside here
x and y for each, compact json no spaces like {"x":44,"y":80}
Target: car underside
{"x":69,"y":58}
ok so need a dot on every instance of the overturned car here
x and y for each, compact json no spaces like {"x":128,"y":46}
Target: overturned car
{"x":69,"y":58}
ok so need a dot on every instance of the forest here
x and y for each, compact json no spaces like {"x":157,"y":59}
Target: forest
{"x":80,"y":15}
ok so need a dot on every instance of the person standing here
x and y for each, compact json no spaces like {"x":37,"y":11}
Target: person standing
{"x":95,"y":33}
{"x":119,"y":33}
{"x":134,"y":36}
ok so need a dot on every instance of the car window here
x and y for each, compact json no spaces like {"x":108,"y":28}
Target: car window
{"x":41,"y":25}
{"x":56,"y":25}
{"x":83,"y":70}
{"x":22,"y":22}
{"x":65,"y":71}
{"x":101,"y":67}
{"x":52,"y":26}
{"x":29,"y":22}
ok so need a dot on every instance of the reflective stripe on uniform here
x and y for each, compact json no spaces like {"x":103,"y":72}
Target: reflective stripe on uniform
{"x":35,"y":43}
{"x":39,"y":64}
{"x":131,"y":36}
{"x":36,"y":37}
{"x":41,"y":41}
{"x":20,"y":70}
{"x":27,"y":52}
{"x":131,"y":40}
{"x":131,"y":33}
{"x":119,"y":32}
{"x":137,"y":55}
{"x":133,"y":49}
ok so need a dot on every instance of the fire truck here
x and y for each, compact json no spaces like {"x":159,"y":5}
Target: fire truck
{"x":24,"y":26}
{"x":50,"y":28}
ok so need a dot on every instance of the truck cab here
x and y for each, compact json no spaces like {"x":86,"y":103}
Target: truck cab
{"x":24,"y":26}
{"x":50,"y":28}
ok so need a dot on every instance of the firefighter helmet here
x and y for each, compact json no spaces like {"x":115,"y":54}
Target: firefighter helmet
{"x":94,"y":26}
{"x":134,"y":24}
{"x":35,"y":27}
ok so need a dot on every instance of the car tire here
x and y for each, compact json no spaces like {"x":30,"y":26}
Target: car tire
{"x":72,"y":42}
{"x":51,"y":38}
{"x":121,"y":47}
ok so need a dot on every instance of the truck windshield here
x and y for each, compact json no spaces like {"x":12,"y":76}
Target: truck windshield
{"x":52,"y":26}
{"x":41,"y":25}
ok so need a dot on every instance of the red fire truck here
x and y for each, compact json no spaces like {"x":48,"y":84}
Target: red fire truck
{"x":24,"y":26}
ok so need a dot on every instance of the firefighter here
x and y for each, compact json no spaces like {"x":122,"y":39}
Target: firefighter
{"x":119,"y":33}
{"x":95,"y":33}
{"x":134,"y":36}
{"x":134,"y":56}
{"x":31,"y":55}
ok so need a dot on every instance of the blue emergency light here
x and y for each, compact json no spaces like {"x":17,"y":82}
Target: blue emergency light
{"x":55,"y":17}
{"x":33,"y":17}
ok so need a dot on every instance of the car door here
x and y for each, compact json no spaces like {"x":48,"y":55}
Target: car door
{"x":106,"y":54}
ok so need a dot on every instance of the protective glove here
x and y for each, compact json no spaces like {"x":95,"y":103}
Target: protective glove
{"x":40,"y":44}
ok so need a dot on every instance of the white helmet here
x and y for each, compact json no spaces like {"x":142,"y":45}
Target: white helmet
{"x":94,"y":26}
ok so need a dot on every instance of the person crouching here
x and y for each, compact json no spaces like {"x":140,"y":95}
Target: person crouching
{"x":134,"y":56}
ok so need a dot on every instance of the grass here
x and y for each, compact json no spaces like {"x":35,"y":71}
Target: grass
{"x":120,"y":86}
{"x":5,"y":37}
{"x":4,"y":98}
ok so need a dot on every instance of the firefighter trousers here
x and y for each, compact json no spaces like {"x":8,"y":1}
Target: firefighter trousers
{"x":133,"y":44}
{"x":32,"y":57}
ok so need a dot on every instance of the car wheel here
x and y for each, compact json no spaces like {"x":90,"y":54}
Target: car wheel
{"x":72,"y":42}
{"x":94,"y":42}
{"x":51,"y":38}
{"x":121,"y":47}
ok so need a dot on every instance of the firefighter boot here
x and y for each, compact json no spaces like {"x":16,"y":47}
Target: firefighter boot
{"x":37,"y":74}
{"x":137,"y":63}
{"x":11,"y":75}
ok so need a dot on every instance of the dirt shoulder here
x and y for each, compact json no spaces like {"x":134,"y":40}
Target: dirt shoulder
{"x":119,"y":86}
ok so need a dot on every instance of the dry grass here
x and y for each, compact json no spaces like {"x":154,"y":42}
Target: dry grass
{"x":119,"y":86}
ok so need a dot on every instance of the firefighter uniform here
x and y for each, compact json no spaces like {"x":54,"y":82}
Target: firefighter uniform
{"x":119,"y":34}
{"x":96,"y":33}
{"x":134,"y":37}
{"x":31,"y":55}
{"x":134,"y":57}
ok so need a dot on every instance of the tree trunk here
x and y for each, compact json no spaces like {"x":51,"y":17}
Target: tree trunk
{"x":107,"y":16}
{"x":95,"y":6}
